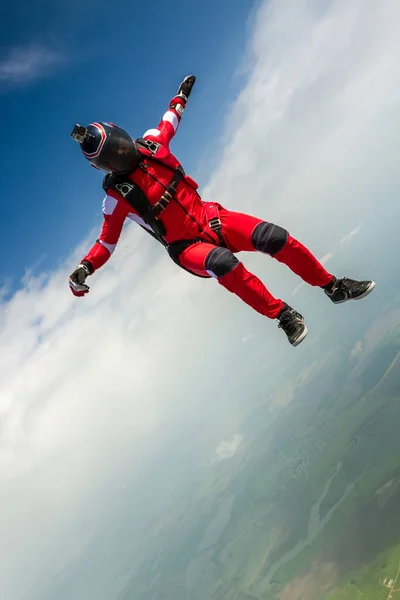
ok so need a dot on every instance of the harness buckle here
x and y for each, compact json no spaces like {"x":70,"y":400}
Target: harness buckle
{"x":215,"y":224}
{"x":148,"y":144}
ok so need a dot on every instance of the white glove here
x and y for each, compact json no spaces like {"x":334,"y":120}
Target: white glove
{"x":77,"y":280}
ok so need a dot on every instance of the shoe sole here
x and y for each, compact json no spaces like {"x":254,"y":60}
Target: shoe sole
{"x":361,"y":296}
{"x":301,"y":337}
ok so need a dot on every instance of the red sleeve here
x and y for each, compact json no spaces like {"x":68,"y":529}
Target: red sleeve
{"x":114,"y":213}
{"x":169,"y":123}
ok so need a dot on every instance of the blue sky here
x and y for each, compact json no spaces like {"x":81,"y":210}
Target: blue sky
{"x":68,"y":62}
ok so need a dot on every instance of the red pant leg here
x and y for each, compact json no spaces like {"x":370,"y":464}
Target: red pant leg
{"x":238,"y":229}
{"x":252,"y":291}
{"x":236,"y":279}
{"x":194,"y":258}
{"x":300,"y":260}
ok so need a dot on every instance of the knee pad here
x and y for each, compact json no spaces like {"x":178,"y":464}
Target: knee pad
{"x":269,"y":238}
{"x":220,"y":262}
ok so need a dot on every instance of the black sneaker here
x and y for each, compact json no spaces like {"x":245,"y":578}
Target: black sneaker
{"x":292,"y":324}
{"x":346,"y":289}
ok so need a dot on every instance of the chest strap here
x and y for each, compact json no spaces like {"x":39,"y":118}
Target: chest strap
{"x":139,"y":201}
{"x":169,"y":192}
{"x":135,"y":196}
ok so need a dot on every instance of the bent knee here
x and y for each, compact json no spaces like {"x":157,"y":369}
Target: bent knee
{"x":220,"y":262}
{"x":269,"y":238}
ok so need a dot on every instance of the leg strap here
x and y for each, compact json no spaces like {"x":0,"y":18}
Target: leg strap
{"x":214,"y":221}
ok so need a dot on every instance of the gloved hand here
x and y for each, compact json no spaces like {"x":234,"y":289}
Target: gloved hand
{"x":186,"y":87}
{"x":77,"y":280}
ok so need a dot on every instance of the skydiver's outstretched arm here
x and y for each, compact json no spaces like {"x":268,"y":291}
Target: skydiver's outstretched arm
{"x":169,"y":123}
{"x":114,"y":214}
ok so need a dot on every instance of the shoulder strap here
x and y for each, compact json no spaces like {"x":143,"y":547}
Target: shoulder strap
{"x":138,"y":200}
{"x":152,"y":147}
{"x":143,"y":144}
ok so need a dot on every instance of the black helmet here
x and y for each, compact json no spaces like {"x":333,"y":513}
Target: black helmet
{"x":107,"y":147}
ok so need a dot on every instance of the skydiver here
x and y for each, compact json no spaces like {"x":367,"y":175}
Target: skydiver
{"x":147,"y":184}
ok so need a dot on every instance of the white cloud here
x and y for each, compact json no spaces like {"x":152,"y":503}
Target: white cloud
{"x":298,"y":288}
{"x":27,"y":64}
{"x":89,"y":386}
{"x":247,"y":338}
{"x":357,"y":349}
{"x":326,"y":258}
{"x":349,"y":236}
{"x":322,"y":81}
{"x":228,"y":448}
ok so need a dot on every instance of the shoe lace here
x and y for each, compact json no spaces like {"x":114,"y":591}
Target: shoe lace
{"x":340,"y":285}
{"x":344,"y":283}
{"x":347,"y":285}
{"x":288,"y":322}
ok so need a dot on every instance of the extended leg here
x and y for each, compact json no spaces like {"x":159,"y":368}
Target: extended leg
{"x":278,"y":243}
{"x":245,"y":232}
{"x":223,"y":265}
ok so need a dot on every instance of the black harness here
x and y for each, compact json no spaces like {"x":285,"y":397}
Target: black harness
{"x":135,"y":196}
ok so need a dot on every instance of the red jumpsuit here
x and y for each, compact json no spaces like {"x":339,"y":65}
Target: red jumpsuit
{"x":187,"y":217}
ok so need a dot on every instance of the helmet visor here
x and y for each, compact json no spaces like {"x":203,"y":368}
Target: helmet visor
{"x":118,"y":154}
